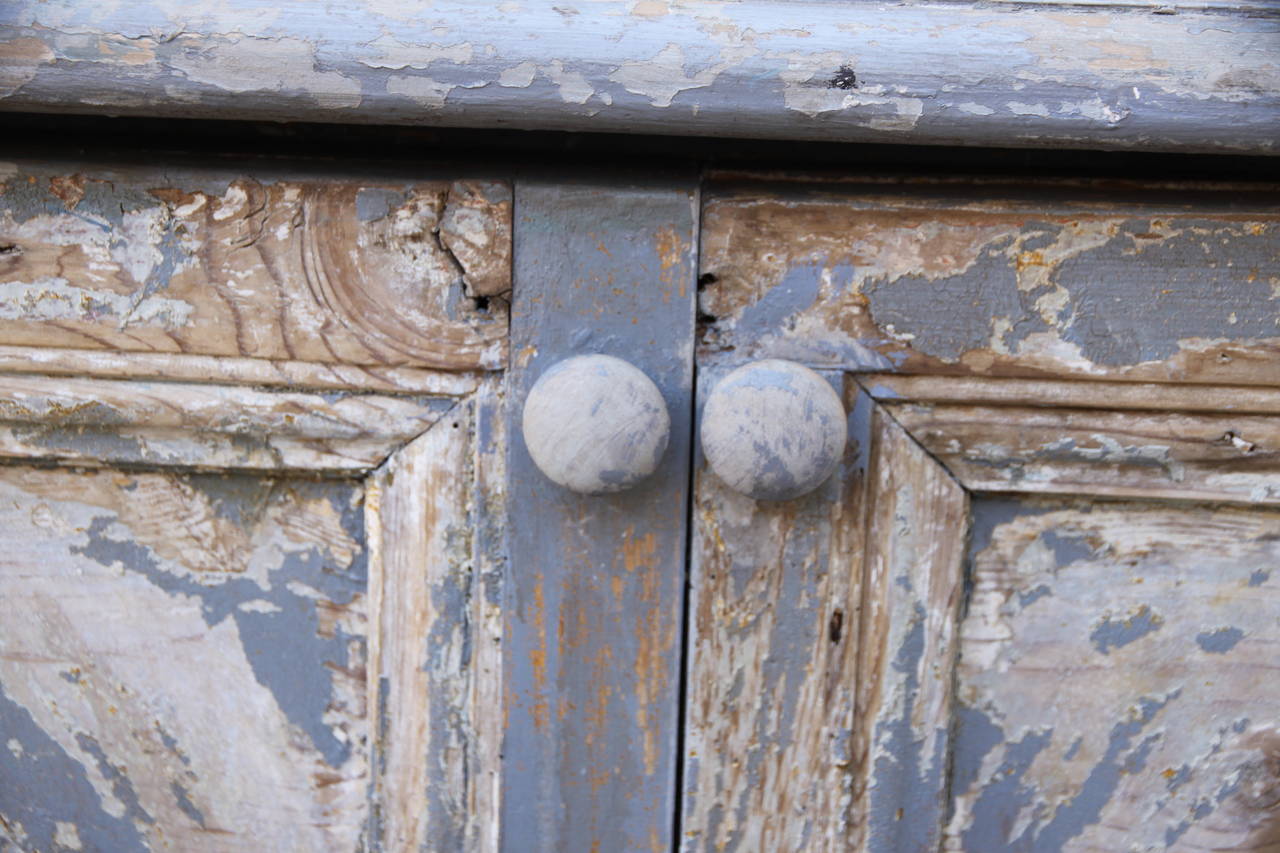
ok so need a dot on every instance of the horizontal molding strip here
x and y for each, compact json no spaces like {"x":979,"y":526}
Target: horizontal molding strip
{"x":1160,"y":77}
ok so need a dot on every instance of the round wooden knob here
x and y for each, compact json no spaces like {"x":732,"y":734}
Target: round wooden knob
{"x":595,"y":424}
{"x":773,"y":430}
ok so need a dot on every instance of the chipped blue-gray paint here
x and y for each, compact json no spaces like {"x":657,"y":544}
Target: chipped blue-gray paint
{"x":43,"y":786}
{"x":907,"y":798}
{"x":1259,"y":577}
{"x":1219,"y":641}
{"x":1116,"y":633}
{"x":284,"y":648}
{"x":985,"y":74}
{"x":596,"y":270}
{"x":183,"y":798}
{"x":1005,"y":797}
{"x":121,"y":786}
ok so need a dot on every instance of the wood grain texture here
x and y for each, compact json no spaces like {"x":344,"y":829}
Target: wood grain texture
{"x":913,"y":589}
{"x":1050,"y":393}
{"x":591,"y":649}
{"x":1117,"y":680}
{"x":226,"y":370}
{"x":336,"y":271}
{"x":775,"y":598}
{"x":1196,"y":76}
{"x":1187,"y":456}
{"x":181,"y":662}
{"x":104,"y":421}
{"x":434,"y":676}
{"x":1154,"y":284}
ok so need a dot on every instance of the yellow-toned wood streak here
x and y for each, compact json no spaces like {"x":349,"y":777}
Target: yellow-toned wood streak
{"x":772,"y":647}
{"x":333,"y":271}
{"x":434,"y":673}
{"x":1117,"y":682}
{"x":1186,"y":456}
{"x":912,"y":591}
{"x":105,"y":421}
{"x":1051,"y":393}
{"x":1159,"y":283}
{"x":226,"y":370}
{"x":181,"y":662}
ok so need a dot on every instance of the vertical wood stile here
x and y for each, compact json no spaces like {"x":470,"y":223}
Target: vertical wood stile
{"x":432,"y":675}
{"x":596,"y":583}
{"x":772,"y":654}
{"x":913,"y":587}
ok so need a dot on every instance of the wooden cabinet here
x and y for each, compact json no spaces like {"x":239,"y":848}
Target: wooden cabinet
{"x":280,"y":574}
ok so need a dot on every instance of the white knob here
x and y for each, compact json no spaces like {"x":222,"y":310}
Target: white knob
{"x":595,"y":424}
{"x":773,"y":430}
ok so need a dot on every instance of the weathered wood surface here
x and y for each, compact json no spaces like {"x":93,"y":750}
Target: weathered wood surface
{"x":1165,"y":284}
{"x":913,"y":588}
{"x":105,"y":421}
{"x":364,"y":273}
{"x":1191,"y":456}
{"x":434,"y":677}
{"x":1118,"y":680}
{"x":1069,"y":394}
{"x":181,"y":662}
{"x":227,"y":370}
{"x":775,"y":598}
{"x":1194,"y":77}
{"x":591,"y":648}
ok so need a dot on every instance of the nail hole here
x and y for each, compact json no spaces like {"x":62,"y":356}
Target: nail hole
{"x":836,"y":626}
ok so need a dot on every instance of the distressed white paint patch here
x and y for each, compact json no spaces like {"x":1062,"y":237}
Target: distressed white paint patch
{"x":66,"y":835}
{"x":15,"y":747}
{"x":1095,"y":109}
{"x":518,"y":76}
{"x":1020,"y":109}
{"x":574,"y":88}
{"x":139,"y":253}
{"x":272,"y":65}
{"x":975,"y":109}
{"x":397,"y":55}
{"x":259,"y":605}
{"x":56,"y":299}
{"x":663,"y":77}
{"x":422,"y":90}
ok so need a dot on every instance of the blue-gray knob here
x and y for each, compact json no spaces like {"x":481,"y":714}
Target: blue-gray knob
{"x":595,"y":424}
{"x":773,"y":430}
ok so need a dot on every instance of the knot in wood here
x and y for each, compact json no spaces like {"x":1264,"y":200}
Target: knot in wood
{"x":595,"y":424}
{"x":773,"y":430}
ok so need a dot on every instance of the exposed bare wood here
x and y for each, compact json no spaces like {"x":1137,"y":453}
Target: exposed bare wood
{"x":1034,"y":282}
{"x":776,"y":589}
{"x":433,"y":603}
{"x":181,"y":662}
{"x":1117,"y":680}
{"x":225,"y":370}
{"x":912,"y":590}
{"x":335,"y":271}
{"x":103,"y":421}
{"x":1116,"y":396}
{"x":1081,"y":451}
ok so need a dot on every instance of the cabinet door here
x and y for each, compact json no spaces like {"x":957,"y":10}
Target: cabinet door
{"x":240,"y":419}
{"x":1036,"y":607}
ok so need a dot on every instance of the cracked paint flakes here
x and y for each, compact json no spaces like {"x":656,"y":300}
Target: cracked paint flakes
{"x":1074,"y":289}
{"x":180,"y":715}
{"x":665,"y":75}
{"x":1098,"y":632}
{"x":244,"y":64}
